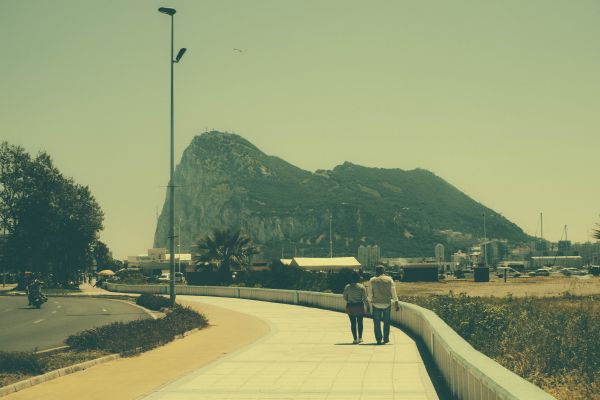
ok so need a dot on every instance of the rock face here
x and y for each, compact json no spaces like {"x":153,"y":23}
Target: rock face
{"x":225,"y":181}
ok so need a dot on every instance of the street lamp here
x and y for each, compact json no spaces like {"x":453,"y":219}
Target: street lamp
{"x":171,"y":12}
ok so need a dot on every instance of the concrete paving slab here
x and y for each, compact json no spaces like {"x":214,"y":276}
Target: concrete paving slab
{"x":308,"y":354}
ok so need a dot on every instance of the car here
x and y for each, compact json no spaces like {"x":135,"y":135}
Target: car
{"x":573,"y":271}
{"x":179,"y":277}
{"x":544,"y":271}
{"x":163,"y":278}
{"x":508,"y":271}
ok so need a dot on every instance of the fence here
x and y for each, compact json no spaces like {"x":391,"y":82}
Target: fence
{"x":469,"y":374}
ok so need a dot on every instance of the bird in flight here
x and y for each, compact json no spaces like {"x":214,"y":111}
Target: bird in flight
{"x":238,"y":50}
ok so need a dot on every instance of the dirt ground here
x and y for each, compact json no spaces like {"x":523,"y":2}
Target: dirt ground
{"x":554,"y":285}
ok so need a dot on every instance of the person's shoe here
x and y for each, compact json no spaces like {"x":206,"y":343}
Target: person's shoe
{"x":379,"y":342}
{"x":386,"y":341}
{"x":360,"y":340}
{"x":355,"y":341}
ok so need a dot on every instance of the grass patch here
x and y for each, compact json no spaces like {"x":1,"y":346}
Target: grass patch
{"x":120,"y":337}
{"x":153,"y":302}
{"x":552,"y":342}
{"x":18,"y":366}
{"x":140,"y":335}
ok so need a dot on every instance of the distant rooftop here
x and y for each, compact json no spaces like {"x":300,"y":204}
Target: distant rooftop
{"x":325,"y":264}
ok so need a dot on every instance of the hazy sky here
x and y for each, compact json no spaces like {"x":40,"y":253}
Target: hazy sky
{"x":500,"y":99}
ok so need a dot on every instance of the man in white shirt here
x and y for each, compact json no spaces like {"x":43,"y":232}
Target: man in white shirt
{"x":382,"y":292}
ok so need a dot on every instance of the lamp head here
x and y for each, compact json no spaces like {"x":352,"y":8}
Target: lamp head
{"x":180,"y":54}
{"x":168,"y":11}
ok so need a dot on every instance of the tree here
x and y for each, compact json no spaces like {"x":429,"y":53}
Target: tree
{"x":597,"y":232}
{"x":226,"y":249}
{"x":50,"y":222}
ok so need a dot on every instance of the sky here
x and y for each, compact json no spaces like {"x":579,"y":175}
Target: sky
{"x":501,"y":99}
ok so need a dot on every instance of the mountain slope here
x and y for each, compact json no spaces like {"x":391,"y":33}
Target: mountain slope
{"x":225,"y":181}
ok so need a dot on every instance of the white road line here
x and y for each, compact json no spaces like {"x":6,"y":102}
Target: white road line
{"x":38,"y":321}
{"x":54,"y":312}
{"x":104,"y":310}
{"x":58,"y":306}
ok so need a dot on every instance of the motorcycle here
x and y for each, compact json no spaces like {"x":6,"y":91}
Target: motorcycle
{"x":39,"y":299}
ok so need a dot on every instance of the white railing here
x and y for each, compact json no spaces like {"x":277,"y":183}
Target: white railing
{"x":468,"y":373}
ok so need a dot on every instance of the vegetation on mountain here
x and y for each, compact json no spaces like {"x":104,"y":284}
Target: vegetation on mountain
{"x":224,"y":181}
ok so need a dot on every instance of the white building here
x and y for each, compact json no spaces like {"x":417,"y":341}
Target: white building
{"x":369,"y":256}
{"x":157,"y":261}
{"x":439,"y":253}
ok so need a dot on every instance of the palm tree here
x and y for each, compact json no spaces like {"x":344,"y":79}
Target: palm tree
{"x":225,"y":248}
{"x":597,"y":232}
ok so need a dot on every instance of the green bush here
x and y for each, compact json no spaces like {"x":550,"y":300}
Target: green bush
{"x":20,"y":362}
{"x":135,"y":336}
{"x":153,"y":302}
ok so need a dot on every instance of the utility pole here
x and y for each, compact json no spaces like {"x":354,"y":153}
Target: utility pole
{"x":330,"y":235}
{"x":484,"y":242}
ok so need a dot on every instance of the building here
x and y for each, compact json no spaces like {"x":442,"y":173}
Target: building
{"x":325,"y":264}
{"x":156,"y":262}
{"x":439,"y":253}
{"x":420,"y":272}
{"x":556,"y":261}
{"x":369,"y":256}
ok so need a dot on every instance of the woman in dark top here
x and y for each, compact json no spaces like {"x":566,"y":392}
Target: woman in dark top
{"x":355,"y":296}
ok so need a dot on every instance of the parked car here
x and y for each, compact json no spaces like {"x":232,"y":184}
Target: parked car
{"x":179,"y":277}
{"x":544,"y":271}
{"x":163,"y":278}
{"x":573,"y":271}
{"x":508,"y":271}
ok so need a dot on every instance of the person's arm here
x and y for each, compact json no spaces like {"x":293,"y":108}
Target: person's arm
{"x":369,"y":292}
{"x":395,"y":296}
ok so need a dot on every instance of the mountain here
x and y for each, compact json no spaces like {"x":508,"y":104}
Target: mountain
{"x":225,"y":181}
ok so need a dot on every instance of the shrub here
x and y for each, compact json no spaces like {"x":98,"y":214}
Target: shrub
{"x":153,"y":302}
{"x":547,"y":341}
{"x":135,"y":336}
{"x":20,"y":362}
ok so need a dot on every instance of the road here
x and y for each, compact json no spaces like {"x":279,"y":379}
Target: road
{"x":23,"y":328}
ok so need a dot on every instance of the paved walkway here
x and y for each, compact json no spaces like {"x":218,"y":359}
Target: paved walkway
{"x":307,"y":355}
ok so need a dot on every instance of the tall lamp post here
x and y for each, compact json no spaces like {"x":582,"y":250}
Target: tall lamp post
{"x":171,"y":12}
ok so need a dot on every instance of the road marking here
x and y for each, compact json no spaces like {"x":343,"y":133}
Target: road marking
{"x":104,"y":310}
{"x":38,"y":321}
{"x":58,"y":306}
{"x":54,"y":312}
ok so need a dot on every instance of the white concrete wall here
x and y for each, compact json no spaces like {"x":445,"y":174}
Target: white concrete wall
{"x":470,"y":375}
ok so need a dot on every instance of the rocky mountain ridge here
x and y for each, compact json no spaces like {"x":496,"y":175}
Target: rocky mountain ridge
{"x":224,"y":181}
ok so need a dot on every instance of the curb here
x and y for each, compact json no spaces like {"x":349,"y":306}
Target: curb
{"x":36,"y":380}
{"x":48,"y":376}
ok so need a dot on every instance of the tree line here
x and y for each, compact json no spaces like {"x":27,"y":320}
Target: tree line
{"x":48,"y":222}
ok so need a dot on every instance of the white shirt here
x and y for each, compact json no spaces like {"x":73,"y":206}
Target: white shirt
{"x":392,"y":294}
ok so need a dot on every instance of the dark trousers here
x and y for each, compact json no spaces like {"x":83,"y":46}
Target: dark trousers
{"x":356,"y":322}
{"x":379,"y":315}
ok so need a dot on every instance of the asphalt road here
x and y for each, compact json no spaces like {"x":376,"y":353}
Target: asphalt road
{"x":23,"y":328}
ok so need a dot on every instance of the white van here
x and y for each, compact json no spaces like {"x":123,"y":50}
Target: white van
{"x":508,"y":271}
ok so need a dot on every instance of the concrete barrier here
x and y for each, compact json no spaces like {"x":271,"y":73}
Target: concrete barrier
{"x":469,"y":374}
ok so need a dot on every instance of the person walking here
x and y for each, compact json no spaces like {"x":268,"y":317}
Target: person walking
{"x":382,"y":292}
{"x":355,"y":296}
